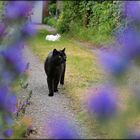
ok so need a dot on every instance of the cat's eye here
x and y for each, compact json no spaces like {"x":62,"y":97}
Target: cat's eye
{"x":59,"y":56}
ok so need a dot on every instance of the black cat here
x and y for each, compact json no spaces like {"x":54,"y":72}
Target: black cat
{"x":55,"y":66}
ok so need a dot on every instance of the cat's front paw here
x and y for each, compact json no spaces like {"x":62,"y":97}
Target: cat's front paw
{"x":50,"y":94}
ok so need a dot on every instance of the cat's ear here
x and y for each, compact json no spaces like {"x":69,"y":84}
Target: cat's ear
{"x":55,"y":52}
{"x":63,"y":50}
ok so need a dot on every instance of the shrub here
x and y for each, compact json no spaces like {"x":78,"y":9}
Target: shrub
{"x":62,"y":24}
{"x":86,"y":19}
{"x":50,"y":21}
{"x":52,"y":9}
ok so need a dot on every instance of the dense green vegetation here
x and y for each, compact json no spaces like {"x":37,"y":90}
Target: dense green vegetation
{"x":93,"y":21}
{"x":51,"y":19}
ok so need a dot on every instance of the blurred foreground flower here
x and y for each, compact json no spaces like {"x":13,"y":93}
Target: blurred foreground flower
{"x":18,"y":9}
{"x":2,"y":29}
{"x":61,"y":128}
{"x":132,"y":10}
{"x":12,"y":66}
{"x":103,"y":105}
{"x":130,"y":43}
{"x":8,"y":119}
{"x":7,"y":101}
{"x":8,"y":133}
{"x":28,"y":30}
{"x":15,"y":61}
{"x":113,"y":63}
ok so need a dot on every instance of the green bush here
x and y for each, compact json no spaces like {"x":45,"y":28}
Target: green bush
{"x":52,"y":9}
{"x":62,"y":24}
{"x":69,"y":14}
{"x":50,"y":21}
{"x":90,"y":20}
{"x":45,"y":20}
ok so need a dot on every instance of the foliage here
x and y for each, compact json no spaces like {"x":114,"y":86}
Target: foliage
{"x":70,"y":12}
{"x":92,"y":17}
{"x":50,"y":21}
{"x":52,"y":9}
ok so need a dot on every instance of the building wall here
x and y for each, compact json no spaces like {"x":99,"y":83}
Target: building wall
{"x":37,"y":15}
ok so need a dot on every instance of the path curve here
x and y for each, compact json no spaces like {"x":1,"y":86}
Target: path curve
{"x":42,"y":106}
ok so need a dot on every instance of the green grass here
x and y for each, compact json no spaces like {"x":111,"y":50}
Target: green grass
{"x":82,"y":69}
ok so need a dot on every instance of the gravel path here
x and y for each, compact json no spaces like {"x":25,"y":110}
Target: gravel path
{"x":42,"y":106}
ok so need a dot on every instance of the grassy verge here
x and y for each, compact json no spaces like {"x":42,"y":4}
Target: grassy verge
{"x":90,"y":35}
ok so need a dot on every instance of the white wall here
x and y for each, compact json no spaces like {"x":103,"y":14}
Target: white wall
{"x":37,"y":12}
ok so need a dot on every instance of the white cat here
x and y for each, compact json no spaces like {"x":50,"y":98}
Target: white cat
{"x":53,"y":37}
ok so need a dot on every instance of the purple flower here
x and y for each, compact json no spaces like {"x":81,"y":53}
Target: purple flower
{"x":132,"y":9}
{"x":103,"y":105}
{"x":130,"y":43}
{"x":28,"y":30}
{"x":2,"y":29}
{"x":7,"y":101}
{"x":18,"y":9}
{"x":8,"y":133}
{"x":61,"y":128}
{"x":3,"y":96}
{"x":13,"y":56}
{"x":7,"y":76}
{"x":8,"y":119}
{"x":131,"y":134}
{"x":11,"y":103}
{"x":113,"y":63}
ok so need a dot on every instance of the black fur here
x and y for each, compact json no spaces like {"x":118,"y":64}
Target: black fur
{"x":55,"y":66}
